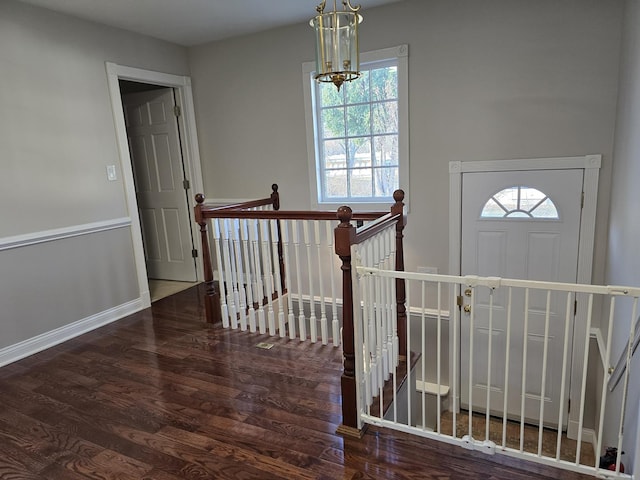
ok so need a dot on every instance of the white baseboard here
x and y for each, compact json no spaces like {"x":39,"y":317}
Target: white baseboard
{"x":36,"y":344}
{"x":589,"y":435}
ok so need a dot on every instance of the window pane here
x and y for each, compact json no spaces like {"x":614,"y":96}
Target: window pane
{"x":508,"y":197}
{"x":385,"y":117}
{"x":492,"y":209}
{"x":530,"y":197}
{"x":386,"y":181}
{"x":359,"y":152}
{"x":545,"y":210}
{"x":361,"y":182}
{"x":518,"y":214}
{"x":384,"y":83}
{"x":358,"y":117}
{"x":333,"y":122}
{"x":386,"y":150}
{"x":335,"y":154}
{"x":335,"y":183}
{"x":357,"y":91}
{"x":329,"y":95}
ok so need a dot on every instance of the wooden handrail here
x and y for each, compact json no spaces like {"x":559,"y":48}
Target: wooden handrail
{"x":372,"y":229}
{"x":208,"y":212}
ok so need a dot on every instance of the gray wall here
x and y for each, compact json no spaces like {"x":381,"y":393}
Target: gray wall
{"x":496,"y":79}
{"x":57,"y":136}
{"x":623,"y":256}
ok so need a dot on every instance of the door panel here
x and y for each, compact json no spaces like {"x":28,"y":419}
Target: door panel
{"x":518,"y":245}
{"x":154,"y":144}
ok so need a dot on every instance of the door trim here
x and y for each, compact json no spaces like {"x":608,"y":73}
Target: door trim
{"x":591,"y":166}
{"x":190,"y":152}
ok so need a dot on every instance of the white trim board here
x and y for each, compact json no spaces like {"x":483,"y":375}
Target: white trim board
{"x":44,"y":236}
{"x":191,"y":155}
{"x":36,"y":344}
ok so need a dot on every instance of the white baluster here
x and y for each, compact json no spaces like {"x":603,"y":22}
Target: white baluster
{"x":489,"y":357}
{"x":395,"y":345}
{"x":242,"y":306}
{"x":221,"y":284}
{"x":278,"y":279}
{"x":320,"y":275}
{"x":254,"y":236}
{"x":302,"y":322}
{"x":523,"y":387}
{"x":365,"y":280}
{"x":231,"y":290}
{"x":386,"y":330}
{"x":391,"y":299}
{"x":545,"y":355}
{"x":291,"y":320}
{"x":335,"y":325}
{"x":313,"y":327}
{"x":373,"y":351}
{"x":268,"y":271}
{"x":246,"y":250}
{"x":507,"y":365}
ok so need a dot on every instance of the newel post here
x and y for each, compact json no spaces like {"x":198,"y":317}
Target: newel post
{"x":275,"y":200}
{"x":398,"y":208}
{"x":345,"y":235}
{"x":211,"y":297}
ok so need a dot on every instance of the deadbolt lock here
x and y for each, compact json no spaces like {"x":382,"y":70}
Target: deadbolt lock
{"x":467,"y":292}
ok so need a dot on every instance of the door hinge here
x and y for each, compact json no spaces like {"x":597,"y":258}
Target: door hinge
{"x":194,"y":253}
{"x":568,"y":405}
{"x":176,"y":110}
{"x":582,"y":200}
{"x":575,"y":307}
{"x":459,"y":301}
{"x":186,"y":184}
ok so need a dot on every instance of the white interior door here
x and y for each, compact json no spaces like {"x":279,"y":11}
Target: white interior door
{"x":525,"y":225}
{"x":154,"y":145}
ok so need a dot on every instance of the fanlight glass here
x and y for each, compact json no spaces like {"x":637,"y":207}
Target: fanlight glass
{"x":520,"y":202}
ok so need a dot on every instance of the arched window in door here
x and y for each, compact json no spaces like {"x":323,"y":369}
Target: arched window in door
{"x":520,"y":202}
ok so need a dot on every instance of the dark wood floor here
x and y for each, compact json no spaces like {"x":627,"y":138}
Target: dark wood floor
{"x":161,"y":396}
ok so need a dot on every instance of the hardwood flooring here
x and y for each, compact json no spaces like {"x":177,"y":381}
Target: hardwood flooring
{"x":160,"y":395}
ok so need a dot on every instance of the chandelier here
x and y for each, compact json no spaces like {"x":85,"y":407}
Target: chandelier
{"x":337,"y":56}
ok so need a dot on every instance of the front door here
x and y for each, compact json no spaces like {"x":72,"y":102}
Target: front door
{"x":524,"y":225}
{"x":154,"y":145}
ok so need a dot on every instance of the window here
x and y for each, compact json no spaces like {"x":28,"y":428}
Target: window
{"x":357,"y":137}
{"x":520,"y":202}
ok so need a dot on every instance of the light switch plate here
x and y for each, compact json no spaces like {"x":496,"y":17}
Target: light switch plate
{"x":111,"y":173}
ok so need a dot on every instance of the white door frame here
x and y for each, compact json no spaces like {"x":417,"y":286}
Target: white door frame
{"x":591,"y":166}
{"x":190,"y":154}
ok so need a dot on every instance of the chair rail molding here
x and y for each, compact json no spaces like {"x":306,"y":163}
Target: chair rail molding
{"x":34,"y":238}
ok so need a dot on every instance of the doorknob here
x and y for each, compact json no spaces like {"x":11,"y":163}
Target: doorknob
{"x":467,"y":309}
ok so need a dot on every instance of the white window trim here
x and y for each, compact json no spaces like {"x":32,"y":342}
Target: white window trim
{"x":400,"y":52}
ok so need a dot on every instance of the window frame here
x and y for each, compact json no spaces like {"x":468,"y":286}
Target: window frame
{"x":398,"y":54}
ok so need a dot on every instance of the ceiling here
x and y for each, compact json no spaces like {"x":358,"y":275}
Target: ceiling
{"x":193,"y":22}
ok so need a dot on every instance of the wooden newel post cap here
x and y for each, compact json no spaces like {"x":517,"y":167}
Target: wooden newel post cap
{"x":274,"y":187}
{"x":344,"y":215}
{"x":398,"y":196}
{"x":199,"y":198}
